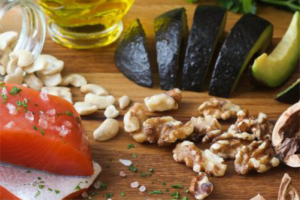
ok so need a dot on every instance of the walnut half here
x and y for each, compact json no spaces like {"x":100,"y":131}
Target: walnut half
{"x":220,"y":109}
{"x":166,"y":130}
{"x":187,"y":152}
{"x":200,"y":186}
{"x":257,"y":156}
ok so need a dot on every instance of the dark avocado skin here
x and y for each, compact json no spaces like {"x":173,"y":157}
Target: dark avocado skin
{"x":290,"y":95}
{"x":201,"y":45}
{"x":170,"y":33}
{"x":131,"y":56}
{"x":234,"y":52}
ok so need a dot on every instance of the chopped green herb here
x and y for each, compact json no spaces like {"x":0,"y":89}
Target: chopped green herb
{"x":187,"y":190}
{"x":37,"y":194}
{"x":156,"y":192}
{"x":183,"y":181}
{"x":50,"y":189}
{"x":42,"y":131}
{"x":2,"y":84}
{"x":109,"y":195}
{"x":78,"y":119}
{"x":57,"y":191}
{"x":41,"y":186}
{"x":90,"y":198}
{"x":130,"y":146}
{"x":78,"y":187}
{"x":35,"y":128}
{"x":151,"y":170}
{"x":28,"y":171}
{"x":86,"y":182}
{"x":164,"y":183}
{"x":4,"y":98}
{"x":15,"y":91}
{"x":122,"y":194}
{"x":69,"y":113}
{"x":94,"y":194}
{"x":176,"y":195}
{"x":185,"y":198}
{"x":19,"y":103}
{"x":177,"y":186}
{"x":39,"y":178}
{"x":134,"y":155}
{"x":167,"y":190}
{"x":132,"y":168}
{"x":143,"y":174}
{"x":103,"y":186}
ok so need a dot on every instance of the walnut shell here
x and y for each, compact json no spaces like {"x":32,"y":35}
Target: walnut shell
{"x":286,"y":136}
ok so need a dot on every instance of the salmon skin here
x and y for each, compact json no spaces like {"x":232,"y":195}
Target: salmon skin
{"x":22,"y":184}
{"x":42,"y":132}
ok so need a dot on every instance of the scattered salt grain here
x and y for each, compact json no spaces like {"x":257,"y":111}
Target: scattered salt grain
{"x":122,"y":174}
{"x":9,"y":125}
{"x":142,"y":188}
{"x":51,"y":112}
{"x":125,"y":162}
{"x":135,"y":184}
{"x":43,"y":123}
{"x":85,"y":195}
{"x":109,"y":199}
{"x":44,"y":94}
{"x":11,"y":109}
{"x":64,"y":131}
{"x":97,"y":185}
{"x":29,"y":116}
{"x":68,"y":124}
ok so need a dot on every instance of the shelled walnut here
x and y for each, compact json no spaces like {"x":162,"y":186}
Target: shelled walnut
{"x":166,"y":130}
{"x":164,"y":101}
{"x":133,"y":122}
{"x":187,"y":152}
{"x":245,"y":130}
{"x":200,"y":186}
{"x":220,"y":109}
{"x":257,"y":156}
{"x":286,"y":190}
{"x":207,"y":126}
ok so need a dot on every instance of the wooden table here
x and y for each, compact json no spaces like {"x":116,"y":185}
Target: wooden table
{"x":98,"y":67}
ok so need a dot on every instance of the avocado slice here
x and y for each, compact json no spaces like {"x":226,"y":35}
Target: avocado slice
{"x":251,"y":34}
{"x":275,"y":69}
{"x":207,"y":28}
{"x":170,"y":33}
{"x":291,"y":94}
{"x":131,"y":56}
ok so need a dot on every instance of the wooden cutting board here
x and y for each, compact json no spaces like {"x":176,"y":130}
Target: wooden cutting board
{"x":98,"y":67}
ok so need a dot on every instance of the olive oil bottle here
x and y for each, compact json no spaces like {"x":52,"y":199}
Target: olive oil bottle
{"x":84,"y":24}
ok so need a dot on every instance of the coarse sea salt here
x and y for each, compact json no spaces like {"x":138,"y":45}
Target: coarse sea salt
{"x":11,"y":109}
{"x":142,"y":188}
{"x":122,"y":174}
{"x":125,"y":162}
{"x":29,"y":116}
{"x":97,"y":185}
{"x":9,"y":125}
{"x":68,"y":124}
{"x":43,"y":123}
{"x":64,"y":131}
{"x":51,"y":112}
{"x":44,"y":94}
{"x":135,"y":184}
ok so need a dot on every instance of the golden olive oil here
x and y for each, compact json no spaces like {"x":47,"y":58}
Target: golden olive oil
{"x":78,"y":21}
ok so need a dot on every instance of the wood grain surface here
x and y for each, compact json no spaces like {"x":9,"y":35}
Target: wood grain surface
{"x":98,"y":67}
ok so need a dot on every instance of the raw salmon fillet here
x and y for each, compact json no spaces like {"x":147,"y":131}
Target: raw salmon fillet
{"x":42,"y":132}
{"x":22,"y":184}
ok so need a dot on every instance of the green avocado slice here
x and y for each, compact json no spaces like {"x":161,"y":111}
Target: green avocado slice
{"x":207,"y":29}
{"x":170,"y":34}
{"x":291,"y":94}
{"x":131,"y":56}
{"x":275,"y":69}
{"x":251,"y":34}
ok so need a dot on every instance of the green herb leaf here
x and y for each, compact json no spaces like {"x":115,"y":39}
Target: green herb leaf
{"x":143,"y":174}
{"x":151,"y":170}
{"x":187,"y":190}
{"x":177,"y":186}
{"x":42,"y":131}
{"x":103,"y":186}
{"x":69,"y":113}
{"x":35,"y":127}
{"x":41,"y":186}
{"x":109,"y":195}
{"x":57,"y":191}
{"x":122,"y":194}
{"x":176,"y":195}
{"x":50,"y":189}
{"x":132,"y":168}
{"x":185,"y":198}
{"x":15,"y":91}
{"x":164,"y":183}
{"x":131,"y":146}
{"x":134,"y":155}
{"x":38,"y":193}
{"x":4,"y":98}
{"x":155,"y":192}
